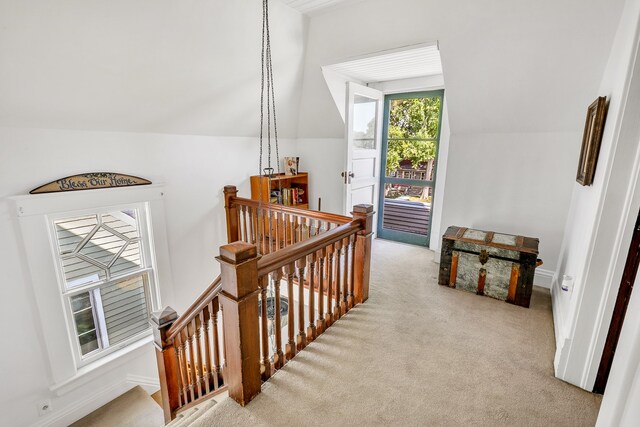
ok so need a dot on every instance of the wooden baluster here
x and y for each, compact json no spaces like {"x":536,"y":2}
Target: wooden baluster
{"x":320,"y":325}
{"x":223,"y":340}
{"x":231,"y":210}
{"x":184,"y":371}
{"x":362,"y":258}
{"x":299,"y":234}
{"x":239,"y":272}
{"x":311,"y":329}
{"x":190,"y":367}
{"x":345,"y":275}
{"x":181,"y":398}
{"x":352,"y":247}
{"x":167,"y":362}
{"x":290,"y":349}
{"x":287,"y":229}
{"x":245,"y":224}
{"x":252,"y":226}
{"x":240,"y":234}
{"x":195,"y":363}
{"x":338,"y":254}
{"x":201,"y":364}
{"x":205,"y":318}
{"x":328,"y":318}
{"x":269,"y":225}
{"x":264,"y":332}
{"x":278,"y":231}
{"x":301,"y":340}
{"x":216,"y":343}
{"x":278,"y":359}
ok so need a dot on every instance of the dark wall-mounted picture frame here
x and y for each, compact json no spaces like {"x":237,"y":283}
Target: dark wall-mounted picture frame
{"x":593,"y":128}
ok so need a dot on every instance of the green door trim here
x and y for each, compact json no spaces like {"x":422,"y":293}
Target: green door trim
{"x":403,"y":236}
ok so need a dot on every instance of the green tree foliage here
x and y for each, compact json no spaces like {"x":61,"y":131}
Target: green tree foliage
{"x":412,"y":118}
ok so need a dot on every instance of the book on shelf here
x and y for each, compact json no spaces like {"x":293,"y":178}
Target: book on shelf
{"x":287,"y":196}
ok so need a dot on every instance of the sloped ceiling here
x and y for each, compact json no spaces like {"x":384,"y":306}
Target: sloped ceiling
{"x":509,"y":65}
{"x":158,"y":66}
{"x":312,"y":7}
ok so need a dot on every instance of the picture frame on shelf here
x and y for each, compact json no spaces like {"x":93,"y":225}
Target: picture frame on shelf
{"x":291,"y":165}
{"x":591,"y":140}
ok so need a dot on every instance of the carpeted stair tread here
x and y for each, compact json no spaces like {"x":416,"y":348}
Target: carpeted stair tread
{"x":134,"y":408}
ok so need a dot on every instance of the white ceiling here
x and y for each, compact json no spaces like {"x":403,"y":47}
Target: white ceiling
{"x":393,"y":65}
{"x":310,"y":7}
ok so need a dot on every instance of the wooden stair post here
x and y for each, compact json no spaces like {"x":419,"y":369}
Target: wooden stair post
{"x":362,"y":259}
{"x":168,"y":369}
{"x":230,"y":192}
{"x":239,"y":298}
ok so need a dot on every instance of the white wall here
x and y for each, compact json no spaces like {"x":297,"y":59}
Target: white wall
{"x":190,"y":67}
{"x":194,"y":170}
{"x":324,"y":159}
{"x":599,"y":227}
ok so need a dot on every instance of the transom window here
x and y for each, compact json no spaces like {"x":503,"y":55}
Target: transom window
{"x":105,"y":275}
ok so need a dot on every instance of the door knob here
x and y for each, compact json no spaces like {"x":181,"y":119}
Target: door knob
{"x":347,"y":176}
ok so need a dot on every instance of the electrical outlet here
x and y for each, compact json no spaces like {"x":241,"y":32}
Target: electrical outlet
{"x":44,"y":407}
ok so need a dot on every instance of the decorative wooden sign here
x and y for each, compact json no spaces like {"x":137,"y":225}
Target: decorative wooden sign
{"x":90,"y":181}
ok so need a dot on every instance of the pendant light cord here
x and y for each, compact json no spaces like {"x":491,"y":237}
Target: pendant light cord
{"x":267,"y":91}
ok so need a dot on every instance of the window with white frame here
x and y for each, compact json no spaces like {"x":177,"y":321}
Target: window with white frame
{"x":106,"y":277}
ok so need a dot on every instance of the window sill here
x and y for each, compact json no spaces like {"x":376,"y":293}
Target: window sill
{"x":88,"y":373}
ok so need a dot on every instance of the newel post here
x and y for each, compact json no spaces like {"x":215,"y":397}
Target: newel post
{"x":231,"y":192}
{"x":239,"y":298}
{"x":167,"y":361}
{"x":362,"y":259}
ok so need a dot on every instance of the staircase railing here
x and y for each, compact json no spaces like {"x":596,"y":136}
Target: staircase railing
{"x":323,"y":260}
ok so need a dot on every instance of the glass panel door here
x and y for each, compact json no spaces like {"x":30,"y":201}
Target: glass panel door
{"x":410,"y":139}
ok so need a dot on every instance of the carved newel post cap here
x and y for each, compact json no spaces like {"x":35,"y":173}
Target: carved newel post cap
{"x":237,"y":252}
{"x":230,"y":189}
{"x":363,"y":209}
{"x":164,"y":316}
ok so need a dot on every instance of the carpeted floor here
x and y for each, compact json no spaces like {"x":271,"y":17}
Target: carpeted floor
{"x":419,"y":354}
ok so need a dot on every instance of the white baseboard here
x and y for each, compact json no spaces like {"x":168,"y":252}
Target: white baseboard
{"x":80,"y":408}
{"x":543,"y":278}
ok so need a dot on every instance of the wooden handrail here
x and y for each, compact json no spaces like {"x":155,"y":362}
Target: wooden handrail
{"x":281,"y":258}
{"x":322,"y":216}
{"x":196,"y":308}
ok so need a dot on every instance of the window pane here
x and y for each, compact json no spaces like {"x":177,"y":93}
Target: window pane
{"x":125,"y":308}
{"x":364,"y":122}
{"x":91,"y":246}
{"x":78,"y":272}
{"x":103,"y":246}
{"x":411,"y":159}
{"x":88,"y":342}
{"x":72,"y":231}
{"x":82,"y":309}
{"x":129,"y":260}
{"x":84,"y":321}
{"x":80,"y":302}
{"x":414,"y":118}
{"x":122,"y":222}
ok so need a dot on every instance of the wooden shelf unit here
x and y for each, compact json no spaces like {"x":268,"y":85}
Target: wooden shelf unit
{"x":262,"y":186}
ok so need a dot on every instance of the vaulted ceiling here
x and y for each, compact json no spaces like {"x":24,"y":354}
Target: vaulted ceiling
{"x":311,"y":7}
{"x":163,"y":66}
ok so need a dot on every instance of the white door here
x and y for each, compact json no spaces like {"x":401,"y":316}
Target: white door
{"x":364,"y":131}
